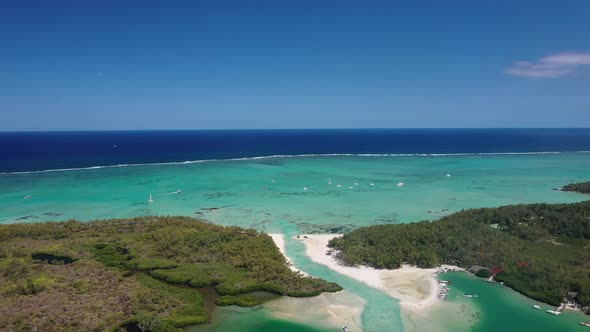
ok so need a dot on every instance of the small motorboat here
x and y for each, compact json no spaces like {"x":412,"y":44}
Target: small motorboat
{"x":585,"y":324}
{"x":553,"y":312}
{"x":537,"y":307}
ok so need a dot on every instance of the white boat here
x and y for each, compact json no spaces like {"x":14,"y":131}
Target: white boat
{"x":330,"y":181}
{"x":305,"y":188}
{"x":150,"y":200}
{"x":371,"y":184}
{"x":338,"y":185}
{"x":469,"y":295}
{"x":585,"y":324}
{"x":537,"y":307}
{"x":400,"y":184}
{"x":553,"y":312}
{"x":448,"y":175}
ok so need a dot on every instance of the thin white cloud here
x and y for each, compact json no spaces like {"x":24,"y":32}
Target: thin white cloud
{"x":552,"y":66}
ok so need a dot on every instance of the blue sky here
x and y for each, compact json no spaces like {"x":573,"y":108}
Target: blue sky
{"x":293,"y":64}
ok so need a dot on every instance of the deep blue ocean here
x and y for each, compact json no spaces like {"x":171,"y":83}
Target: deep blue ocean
{"x":32,"y":151}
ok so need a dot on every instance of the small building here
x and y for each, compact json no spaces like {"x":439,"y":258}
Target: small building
{"x":570,"y":299}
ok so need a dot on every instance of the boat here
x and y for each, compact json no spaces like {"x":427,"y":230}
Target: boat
{"x":28,"y":196}
{"x":469,"y":295}
{"x":400,"y":184}
{"x":329,"y":181}
{"x":537,"y":307}
{"x":150,"y":200}
{"x":585,"y":324}
{"x":345,"y":328}
{"x":371,"y":184}
{"x":305,"y":188}
{"x":553,"y":312}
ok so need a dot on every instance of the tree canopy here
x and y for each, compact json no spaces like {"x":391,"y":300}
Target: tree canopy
{"x":541,"y":250}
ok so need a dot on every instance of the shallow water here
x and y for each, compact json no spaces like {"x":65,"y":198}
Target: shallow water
{"x":269,"y":195}
{"x":498,"y":308}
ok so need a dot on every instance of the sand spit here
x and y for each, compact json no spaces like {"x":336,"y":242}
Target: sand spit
{"x":329,"y":310}
{"x":279,"y":240}
{"x":415,"y":288}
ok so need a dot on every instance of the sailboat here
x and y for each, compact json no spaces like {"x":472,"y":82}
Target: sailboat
{"x":329,"y":181}
{"x":150,"y":200}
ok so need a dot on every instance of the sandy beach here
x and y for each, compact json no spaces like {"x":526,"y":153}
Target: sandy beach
{"x":415,"y":288}
{"x":279,"y":240}
{"x":333,"y":310}
{"x":330,"y":310}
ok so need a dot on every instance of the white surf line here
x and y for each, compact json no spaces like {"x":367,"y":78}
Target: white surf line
{"x":300,"y":156}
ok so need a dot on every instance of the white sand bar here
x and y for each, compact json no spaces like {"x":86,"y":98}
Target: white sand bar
{"x":329,"y":310}
{"x":415,"y":288}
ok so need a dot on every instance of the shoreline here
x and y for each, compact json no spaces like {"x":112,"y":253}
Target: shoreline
{"x":279,"y":240}
{"x":415,"y":288}
{"x":330,"y":310}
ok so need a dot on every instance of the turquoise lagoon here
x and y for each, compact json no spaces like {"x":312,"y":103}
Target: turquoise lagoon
{"x":269,"y":194}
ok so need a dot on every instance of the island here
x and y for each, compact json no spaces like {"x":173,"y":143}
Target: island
{"x":580,"y":187}
{"x":144,"y":273}
{"x":540,"y":250}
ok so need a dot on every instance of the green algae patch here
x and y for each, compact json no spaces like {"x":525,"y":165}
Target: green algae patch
{"x":151,"y":264}
{"x":240,"y":300}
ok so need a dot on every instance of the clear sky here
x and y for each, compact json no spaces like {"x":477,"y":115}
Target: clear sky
{"x":85,"y":65}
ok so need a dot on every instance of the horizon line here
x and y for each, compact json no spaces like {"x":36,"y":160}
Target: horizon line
{"x":280,"y":129}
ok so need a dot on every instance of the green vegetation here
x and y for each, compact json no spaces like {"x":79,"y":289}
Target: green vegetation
{"x":542,"y":250}
{"x":147,"y":273}
{"x":581,"y":187}
{"x":240,"y":300}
